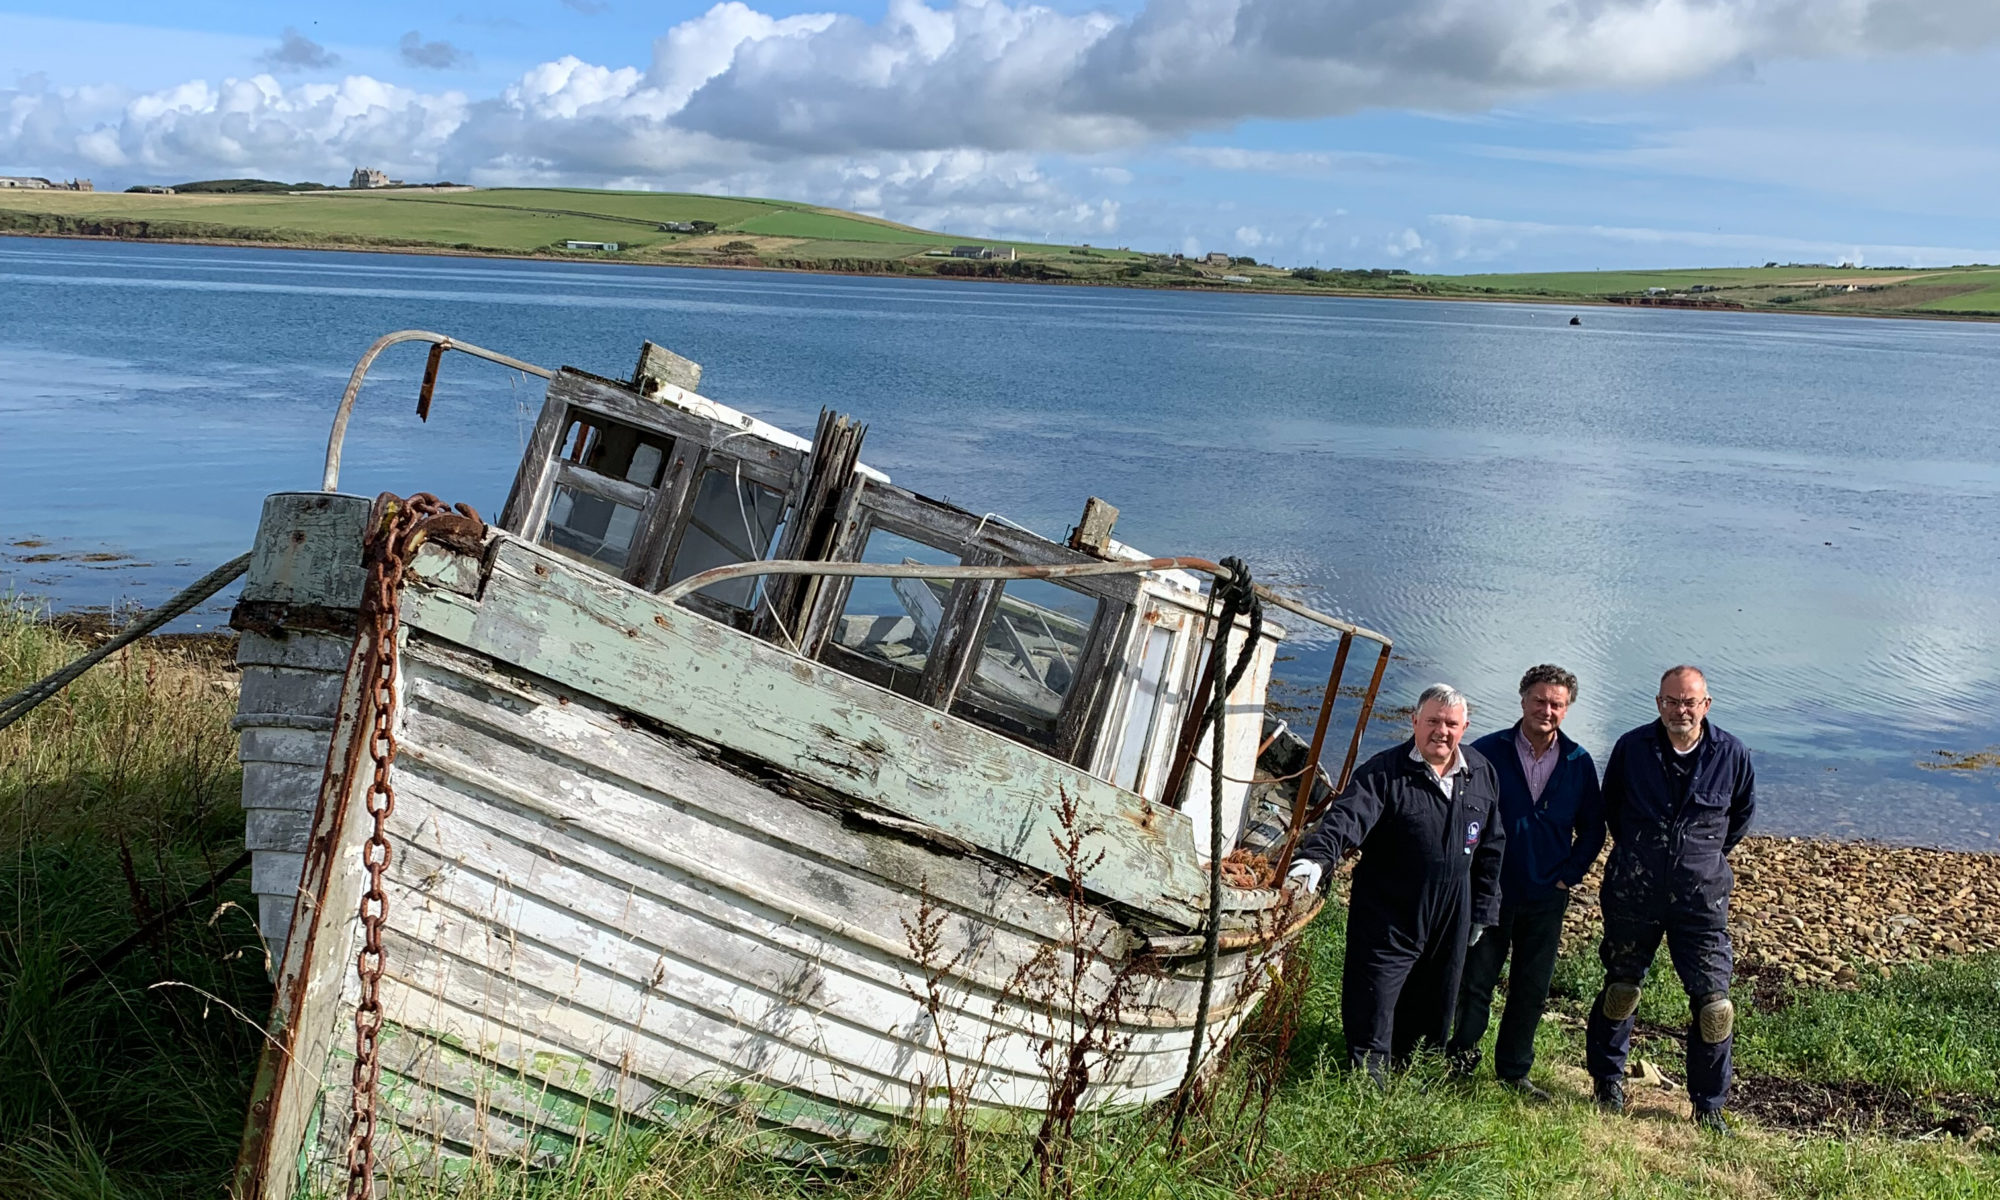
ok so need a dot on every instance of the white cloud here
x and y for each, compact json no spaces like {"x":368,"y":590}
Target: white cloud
{"x":1002,"y":77}
{"x":1249,"y":237}
{"x":252,"y":124}
{"x":1411,"y":245}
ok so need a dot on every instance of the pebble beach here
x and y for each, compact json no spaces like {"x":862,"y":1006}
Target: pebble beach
{"x":1820,"y":913}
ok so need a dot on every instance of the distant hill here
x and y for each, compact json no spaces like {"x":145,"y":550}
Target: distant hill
{"x":240,"y":187}
{"x":687,"y":229}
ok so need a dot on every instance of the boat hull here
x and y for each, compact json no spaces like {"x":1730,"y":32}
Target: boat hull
{"x":600,"y":918}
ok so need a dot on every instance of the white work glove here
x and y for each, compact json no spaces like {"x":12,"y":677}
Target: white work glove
{"x":1307,"y":871}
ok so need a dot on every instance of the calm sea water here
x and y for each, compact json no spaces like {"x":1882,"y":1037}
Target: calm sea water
{"x":1809,"y":507}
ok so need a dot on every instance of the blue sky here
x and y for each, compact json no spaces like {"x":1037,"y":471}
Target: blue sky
{"x":1452,"y":135}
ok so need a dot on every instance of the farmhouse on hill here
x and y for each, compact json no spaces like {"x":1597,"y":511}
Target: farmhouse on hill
{"x":1216,"y":258}
{"x":35,"y":183}
{"x":1000,"y":252}
{"x":369,"y":177}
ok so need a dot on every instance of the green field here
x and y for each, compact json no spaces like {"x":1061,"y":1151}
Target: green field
{"x":774,"y":233}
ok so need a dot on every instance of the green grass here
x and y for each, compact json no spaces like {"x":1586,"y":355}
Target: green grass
{"x":1928,"y":1028}
{"x":118,"y":798}
{"x":1983,"y":296}
{"x":135,"y":1087}
{"x":507,"y":220}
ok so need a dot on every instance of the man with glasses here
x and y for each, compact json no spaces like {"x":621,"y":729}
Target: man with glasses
{"x":1678,"y":796}
{"x":1555,"y":828}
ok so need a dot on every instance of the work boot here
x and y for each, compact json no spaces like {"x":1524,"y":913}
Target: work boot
{"x":1611,"y":1095}
{"x":1712,"y":1122}
{"x":1461,"y":1064}
{"x":1526,"y":1090}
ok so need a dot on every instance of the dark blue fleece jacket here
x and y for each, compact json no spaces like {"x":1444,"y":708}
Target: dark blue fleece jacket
{"x":1555,"y":839}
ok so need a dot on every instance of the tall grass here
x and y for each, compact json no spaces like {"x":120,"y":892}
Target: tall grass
{"x":117,"y":799}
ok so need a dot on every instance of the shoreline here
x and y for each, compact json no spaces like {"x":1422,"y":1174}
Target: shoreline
{"x":1201,"y":289}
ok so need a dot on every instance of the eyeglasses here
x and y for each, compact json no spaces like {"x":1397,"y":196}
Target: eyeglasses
{"x":1682,"y":702}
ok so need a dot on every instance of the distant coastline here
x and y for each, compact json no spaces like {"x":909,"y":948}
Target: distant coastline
{"x":662,"y":229}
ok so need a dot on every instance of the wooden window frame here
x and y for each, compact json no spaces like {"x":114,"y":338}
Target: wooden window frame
{"x":696,"y":444}
{"x":699,"y":443}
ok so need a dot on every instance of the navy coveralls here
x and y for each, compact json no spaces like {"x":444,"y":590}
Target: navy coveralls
{"x":1429,"y":869}
{"x":1668,"y":874}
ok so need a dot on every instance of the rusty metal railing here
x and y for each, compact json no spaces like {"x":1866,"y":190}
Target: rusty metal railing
{"x":330,"y":477}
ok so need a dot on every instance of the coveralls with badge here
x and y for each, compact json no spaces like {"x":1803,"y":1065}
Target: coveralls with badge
{"x":1673,"y":819}
{"x":1429,"y":870}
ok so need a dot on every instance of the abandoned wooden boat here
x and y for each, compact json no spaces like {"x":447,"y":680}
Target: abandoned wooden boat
{"x":723,"y":772}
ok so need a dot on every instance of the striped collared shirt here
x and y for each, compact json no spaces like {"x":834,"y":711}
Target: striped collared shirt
{"x":1537,"y":770}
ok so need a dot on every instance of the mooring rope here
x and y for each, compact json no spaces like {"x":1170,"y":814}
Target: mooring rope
{"x":25,"y":701}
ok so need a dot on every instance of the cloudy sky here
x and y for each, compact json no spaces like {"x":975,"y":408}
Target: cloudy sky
{"x":1454,"y":135}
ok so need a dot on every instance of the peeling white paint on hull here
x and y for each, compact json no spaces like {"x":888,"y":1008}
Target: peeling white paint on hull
{"x":597,"y":920}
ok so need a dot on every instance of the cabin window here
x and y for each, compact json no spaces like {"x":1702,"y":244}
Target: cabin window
{"x":1149,"y":701}
{"x":591,"y":528}
{"x":606,"y":480}
{"x":1030,"y":657}
{"x":732,"y":520}
{"x":892,"y":623}
{"x":616,"y":451}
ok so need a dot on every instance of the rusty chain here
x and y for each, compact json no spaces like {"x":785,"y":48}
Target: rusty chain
{"x":397,"y":528}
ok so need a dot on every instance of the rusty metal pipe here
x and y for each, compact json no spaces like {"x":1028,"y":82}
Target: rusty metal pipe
{"x":330,"y":477}
{"x":431,"y":366}
{"x":1361,"y":724}
{"x":1303,"y":800}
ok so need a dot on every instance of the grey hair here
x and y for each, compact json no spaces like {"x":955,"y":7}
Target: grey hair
{"x":1445,"y":695}
{"x":1685,"y":669}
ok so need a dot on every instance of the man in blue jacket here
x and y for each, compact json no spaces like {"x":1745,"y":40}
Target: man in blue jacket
{"x":1678,"y":796}
{"x":1550,"y":804}
{"x":1424,"y":814}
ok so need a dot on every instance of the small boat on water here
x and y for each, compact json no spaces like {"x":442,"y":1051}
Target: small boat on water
{"x":722,"y":772}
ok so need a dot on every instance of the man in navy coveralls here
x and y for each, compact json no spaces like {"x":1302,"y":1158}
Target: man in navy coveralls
{"x":1555,"y":828}
{"x":1425,"y":815}
{"x":1678,"y":796}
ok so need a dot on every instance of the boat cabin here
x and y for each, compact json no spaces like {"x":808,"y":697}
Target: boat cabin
{"x":653,"y":483}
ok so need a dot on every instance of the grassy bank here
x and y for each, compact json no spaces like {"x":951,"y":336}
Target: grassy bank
{"x":742,"y":232}
{"x":118,"y":799}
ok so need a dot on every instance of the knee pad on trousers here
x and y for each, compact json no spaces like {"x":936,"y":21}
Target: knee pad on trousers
{"x":1621,"y":1000}
{"x":1716,"y":1018}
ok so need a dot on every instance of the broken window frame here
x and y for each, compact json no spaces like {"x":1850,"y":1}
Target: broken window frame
{"x":696,"y":444}
{"x":984,"y":541}
{"x":699,"y":443}
{"x":1179,"y":623}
